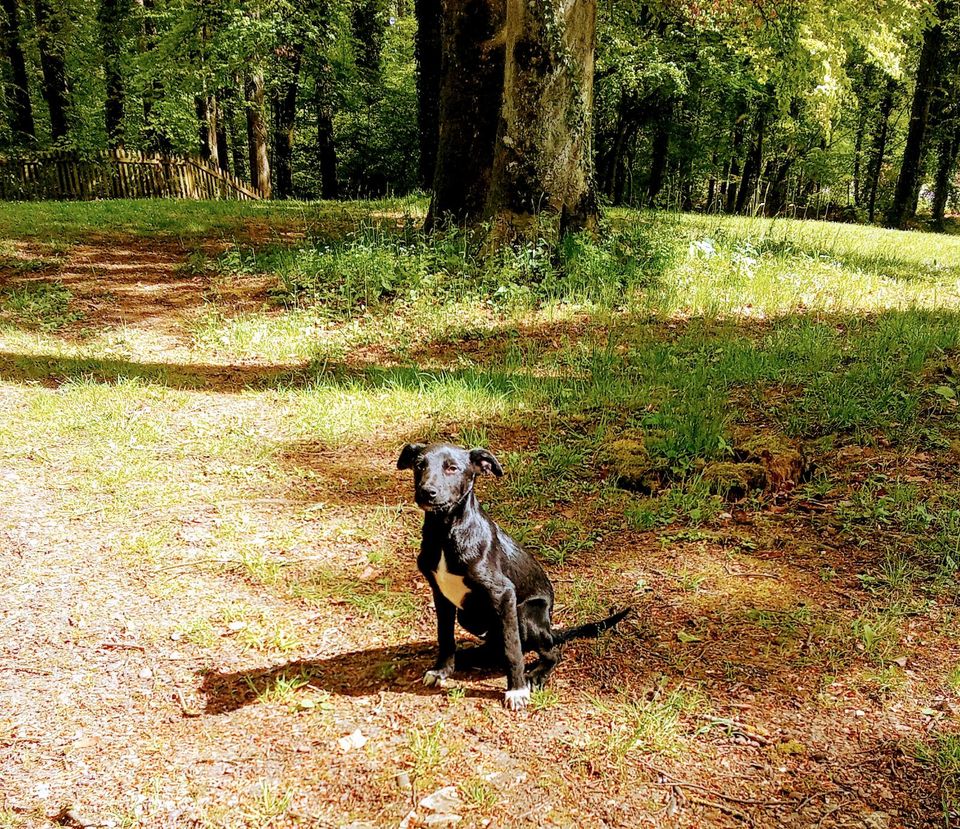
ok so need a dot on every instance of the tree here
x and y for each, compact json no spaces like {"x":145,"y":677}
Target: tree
{"x":428,"y":56}
{"x":112,"y":18}
{"x":924,"y":88}
{"x":51,"y":43}
{"x":257,"y":133}
{"x":515,"y":115}
{"x":22,"y":128}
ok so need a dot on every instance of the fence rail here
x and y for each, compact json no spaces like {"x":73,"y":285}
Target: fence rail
{"x":117,"y":174}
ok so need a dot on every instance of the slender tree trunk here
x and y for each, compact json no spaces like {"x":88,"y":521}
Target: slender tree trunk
{"x":207,"y":128}
{"x":368,"y":19}
{"x":879,"y":149}
{"x":257,"y":133}
{"x":18,"y":92}
{"x":751,"y":169}
{"x":112,"y":18}
{"x":543,"y":158}
{"x":236,"y":137}
{"x":733,"y":174}
{"x":471,"y":89}
{"x":428,"y":48}
{"x":946,"y":169}
{"x":50,"y":41}
{"x":284,"y":121}
{"x":660,"y":147}
{"x":926,"y":80}
{"x":153,"y":137}
{"x":223,"y":146}
{"x":326,"y":147}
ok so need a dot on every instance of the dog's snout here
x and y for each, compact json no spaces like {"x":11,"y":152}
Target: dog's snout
{"x":429,"y":491}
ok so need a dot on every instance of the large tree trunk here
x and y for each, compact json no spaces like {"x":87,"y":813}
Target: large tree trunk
{"x":926,"y":81}
{"x":428,"y":52}
{"x":471,"y":88}
{"x":544,"y":156}
{"x":284,"y":121}
{"x":50,"y":41}
{"x":112,"y":19}
{"x":18,"y":92}
{"x":257,"y":134}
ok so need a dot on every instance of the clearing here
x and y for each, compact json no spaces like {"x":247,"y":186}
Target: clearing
{"x":209,"y":608}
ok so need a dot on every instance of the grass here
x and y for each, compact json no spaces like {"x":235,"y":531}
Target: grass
{"x":251,"y":464}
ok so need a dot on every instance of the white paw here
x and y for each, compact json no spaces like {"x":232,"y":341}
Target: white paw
{"x":434,"y":678}
{"x":517,"y":699}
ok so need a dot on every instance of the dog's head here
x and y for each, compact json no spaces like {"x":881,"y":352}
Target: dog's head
{"x":443,"y":474}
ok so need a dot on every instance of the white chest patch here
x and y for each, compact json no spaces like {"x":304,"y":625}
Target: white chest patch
{"x":450,"y":585}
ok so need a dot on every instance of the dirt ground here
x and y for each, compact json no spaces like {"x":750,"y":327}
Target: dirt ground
{"x":113,"y":712}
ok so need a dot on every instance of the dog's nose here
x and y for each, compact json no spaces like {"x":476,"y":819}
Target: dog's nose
{"x":429,"y":491}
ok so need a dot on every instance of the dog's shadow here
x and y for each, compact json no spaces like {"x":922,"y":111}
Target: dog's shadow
{"x":397,"y":668}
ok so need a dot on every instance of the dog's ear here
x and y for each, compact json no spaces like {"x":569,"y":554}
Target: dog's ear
{"x":484,"y":460}
{"x":409,"y":454}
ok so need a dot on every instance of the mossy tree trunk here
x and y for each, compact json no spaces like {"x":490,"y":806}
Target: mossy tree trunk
{"x":516,"y":95}
{"x":543,"y":160}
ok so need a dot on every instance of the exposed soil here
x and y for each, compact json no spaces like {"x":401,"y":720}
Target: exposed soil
{"x":111,"y":715}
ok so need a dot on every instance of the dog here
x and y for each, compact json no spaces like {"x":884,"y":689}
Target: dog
{"x":481,"y":577}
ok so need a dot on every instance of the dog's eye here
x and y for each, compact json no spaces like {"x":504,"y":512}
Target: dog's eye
{"x":450,"y":468}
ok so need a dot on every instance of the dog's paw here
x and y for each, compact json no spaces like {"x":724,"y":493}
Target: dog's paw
{"x":517,"y":699}
{"x":434,"y":678}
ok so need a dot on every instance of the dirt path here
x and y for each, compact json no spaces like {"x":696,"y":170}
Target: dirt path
{"x":178,"y":687}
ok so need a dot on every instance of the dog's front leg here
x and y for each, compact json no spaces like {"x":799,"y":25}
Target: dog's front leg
{"x":518,"y":691}
{"x":446,"y":619}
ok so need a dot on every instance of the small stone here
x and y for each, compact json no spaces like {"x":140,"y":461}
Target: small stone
{"x":146,"y":673}
{"x":352,"y":741}
{"x":402,"y":779}
{"x":901,"y":661}
{"x":446,"y":799}
{"x":442,"y":820}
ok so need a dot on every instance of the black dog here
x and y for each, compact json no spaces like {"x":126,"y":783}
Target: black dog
{"x":480,"y":575}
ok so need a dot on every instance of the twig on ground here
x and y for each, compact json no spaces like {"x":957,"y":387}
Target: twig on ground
{"x":187,"y":712}
{"x":669,"y":779}
{"x":810,"y":798}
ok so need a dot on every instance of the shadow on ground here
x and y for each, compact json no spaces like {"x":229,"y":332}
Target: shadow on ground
{"x":397,"y":668}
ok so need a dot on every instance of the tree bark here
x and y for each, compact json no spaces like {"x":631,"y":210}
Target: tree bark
{"x":22,"y":127}
{"x":926,"y":80}
{"x":471,"y":88}
{"x":428,"y":50}
{"x":112,"y":18}
{"x":257,"y":133}
{"x":50,"y":41}
{"x":284,"y":121}
{"x":543,"y":160}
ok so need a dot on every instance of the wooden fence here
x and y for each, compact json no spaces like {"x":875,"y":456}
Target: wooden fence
{"x":117,"y":174}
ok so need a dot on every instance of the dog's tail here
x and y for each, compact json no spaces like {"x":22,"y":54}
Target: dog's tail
{"x":590,"y":630}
